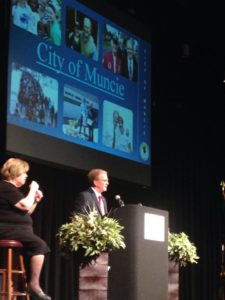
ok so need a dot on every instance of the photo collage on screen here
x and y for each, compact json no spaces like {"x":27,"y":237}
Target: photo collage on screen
{"x":82,"y":33}
{"x":40,"y":17}
{"x":72,"y":108}
{"x":34,"y":96}
{"x":80,"y":114}
{"x":120,"y":53}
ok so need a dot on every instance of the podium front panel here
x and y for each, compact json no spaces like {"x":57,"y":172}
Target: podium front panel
{"x":140,"y":272}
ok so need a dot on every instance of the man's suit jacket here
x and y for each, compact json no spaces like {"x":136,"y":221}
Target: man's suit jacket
{"x":87,"y":201}
{"x":125,"y":71}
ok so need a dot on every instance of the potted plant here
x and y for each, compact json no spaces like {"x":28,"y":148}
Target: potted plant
{"x":181,"y":251}
{"x":90,"y":234}
{"x":89,"y":238}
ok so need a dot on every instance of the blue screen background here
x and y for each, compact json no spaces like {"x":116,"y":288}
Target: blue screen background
{"x":67,"y":83}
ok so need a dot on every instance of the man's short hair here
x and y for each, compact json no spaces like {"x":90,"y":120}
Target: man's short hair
{"x":94,"y":174}
{"x":87,"y":22}
{"x":130,"y":43}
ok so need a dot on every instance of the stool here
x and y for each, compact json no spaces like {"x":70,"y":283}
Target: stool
{"x":9,"y":290}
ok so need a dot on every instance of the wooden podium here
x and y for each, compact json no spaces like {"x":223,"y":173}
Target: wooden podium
{"x":140,"y":272}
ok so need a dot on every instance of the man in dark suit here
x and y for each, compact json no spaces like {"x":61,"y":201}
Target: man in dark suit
{"x":129,"y":61}
{"x":73,"y":39}
{"x":92,"y":199}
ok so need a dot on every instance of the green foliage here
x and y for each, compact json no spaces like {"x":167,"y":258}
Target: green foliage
{"x":181,"y":249}
{"x":91,"y":233}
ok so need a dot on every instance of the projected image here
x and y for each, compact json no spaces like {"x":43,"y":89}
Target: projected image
{"x":117,"y":127}
{"x":40,"y":17}
{"x":120,"y":53}
{"x":81,"y":80}
{"x":81,"y":33}
{"x":80,"y":114}
{"x":33,"y":96}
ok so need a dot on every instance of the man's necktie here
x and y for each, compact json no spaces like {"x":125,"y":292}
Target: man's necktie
{"x":114,"y":63}
{"x":101,"y":205}
{"x":130,"y":69}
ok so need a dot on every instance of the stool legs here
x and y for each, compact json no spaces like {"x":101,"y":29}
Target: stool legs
{"x":24,"y":277}
{"x":3,"y":282}
{"x":7,"y":286}
{"x":9,"y":274}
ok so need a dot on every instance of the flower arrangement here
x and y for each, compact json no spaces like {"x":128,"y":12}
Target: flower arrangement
{"x":91,"y":234}
{"x":181,"y":250}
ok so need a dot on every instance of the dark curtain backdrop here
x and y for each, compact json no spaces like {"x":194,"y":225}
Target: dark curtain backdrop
{"x":187,"y":170}
{"x":187,"y":167}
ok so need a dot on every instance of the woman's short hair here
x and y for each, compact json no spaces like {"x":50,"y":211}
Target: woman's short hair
{"x":13,"y":168}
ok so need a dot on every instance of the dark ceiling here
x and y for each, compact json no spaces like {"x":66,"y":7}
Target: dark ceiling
{"x":197,"y":23}
{"x":188,"y":41}
{"x":188,"y":38}
{"x":188,"y":13}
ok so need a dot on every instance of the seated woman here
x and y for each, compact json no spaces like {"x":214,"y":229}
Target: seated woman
{"x":16,"y":222}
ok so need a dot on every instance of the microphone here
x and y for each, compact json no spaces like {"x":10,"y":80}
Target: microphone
{"x":119,"y":200}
